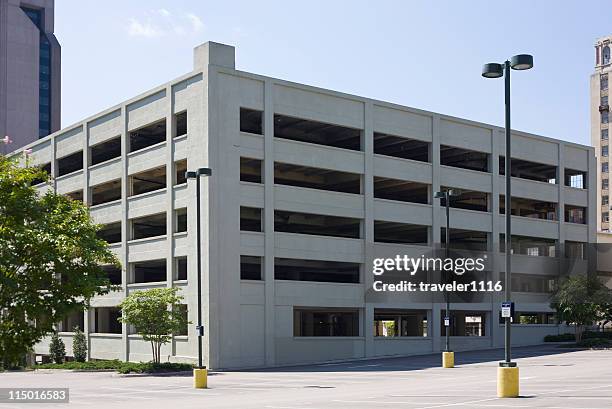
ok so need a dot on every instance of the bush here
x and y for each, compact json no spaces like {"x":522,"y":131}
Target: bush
{"x":119,"y":366}
{"x":152,"y":367}
{"x":79,"y":345}
{"x":594,"y":343}
{"x":57,"y":349}
{"x":595,"y":334}
{"x":560,"y":338}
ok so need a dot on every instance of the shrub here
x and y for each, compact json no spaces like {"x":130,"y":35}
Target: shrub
{"x":79,"y":345}
{"x":559,"y":338}
{"x":595,"y":334}
{"x":57,"y":349}
{"x":594,"y":343}
{"x":119,"y":366}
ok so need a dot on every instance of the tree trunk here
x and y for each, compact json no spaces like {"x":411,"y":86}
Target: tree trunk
{"x":578,"y":333}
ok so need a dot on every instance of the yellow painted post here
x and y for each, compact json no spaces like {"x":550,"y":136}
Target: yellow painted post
{"x":200,"y":378}
{"x":507,"y":382}
{"x":448,"y":359}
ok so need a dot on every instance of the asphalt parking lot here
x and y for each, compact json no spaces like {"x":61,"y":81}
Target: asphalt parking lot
{"x":551,"y":378}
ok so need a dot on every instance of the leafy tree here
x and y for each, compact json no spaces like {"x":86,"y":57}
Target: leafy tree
{"x":79,"y":345}
{"x":155,"y":315}
{"x":50,"y":258}
{"x":578,"y":301}
{"x":605,"y":314}
{"x":57,"y":349}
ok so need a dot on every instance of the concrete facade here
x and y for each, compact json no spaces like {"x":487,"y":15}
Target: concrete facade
{"x":30,"y":72}
{"x":252,"y":322}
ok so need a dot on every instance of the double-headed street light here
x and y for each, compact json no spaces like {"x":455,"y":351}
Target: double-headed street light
{"x":507,"y":385}
{"x":200,"y":373}
{"x":448,"y":357}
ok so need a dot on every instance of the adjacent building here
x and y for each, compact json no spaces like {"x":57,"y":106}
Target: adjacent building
{"x":30,"y":65}
{"x":308,"y":187}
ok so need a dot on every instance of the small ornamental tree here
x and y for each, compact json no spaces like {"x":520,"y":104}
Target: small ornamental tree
{"x":57,"y":349}
{"x":155,"y":315}
{"x":578,"y":301}
{"x":50,"y":259}
{"x":79,"y":345}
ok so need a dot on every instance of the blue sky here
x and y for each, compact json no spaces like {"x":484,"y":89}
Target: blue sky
{"x":424,"y":54}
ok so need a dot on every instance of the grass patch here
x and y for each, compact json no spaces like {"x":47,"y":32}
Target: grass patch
{"x":120,"y":366}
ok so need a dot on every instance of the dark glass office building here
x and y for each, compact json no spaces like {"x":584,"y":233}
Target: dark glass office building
{"x":30,"y":66}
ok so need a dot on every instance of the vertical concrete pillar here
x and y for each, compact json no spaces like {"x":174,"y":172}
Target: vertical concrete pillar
{"x":436,"y":333}
{"x":53,"y":164}
{"x":269,"y":242}
{"x":497,"y":335}
{"x":437,"y":221}
{"x":368,"y":223}
{"x":87,"y":323}
{"x":170,"y":221}
{"x":125,"y":232}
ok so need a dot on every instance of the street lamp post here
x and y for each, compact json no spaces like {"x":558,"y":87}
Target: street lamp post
{"x":508,"y":387}
{"x":200,"y":373}
{"x":448,"y":358}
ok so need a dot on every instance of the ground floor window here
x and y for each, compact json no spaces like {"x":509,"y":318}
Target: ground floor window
{"x":400,"y":323}
{"x":106,"y":320}
{"x":465,"y":323}
{"x":325,"y":322}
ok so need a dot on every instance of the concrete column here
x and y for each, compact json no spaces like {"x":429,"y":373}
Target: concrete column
{"x":170,"y":132}
{"x":86,"y":160}
{"x":268,"y":179}
{"x":53,"y":164}
{"x":124,"y":221}
{"x":497,"y":335}
{"x":437,"y":223}
{"x":561,"y":204}
{"x":436,"y":333}
{"x":368,"y":223}
{"x":87,"y":323}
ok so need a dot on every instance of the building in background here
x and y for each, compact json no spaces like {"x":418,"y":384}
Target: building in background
{"x":309,"y":186}
{"x":30,"y":64}
{"x":600,"y":132}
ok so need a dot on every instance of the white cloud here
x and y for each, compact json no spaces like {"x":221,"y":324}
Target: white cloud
{"x":138,"y":28}
{"x":196,"y":22}
{"x":162,"y":22}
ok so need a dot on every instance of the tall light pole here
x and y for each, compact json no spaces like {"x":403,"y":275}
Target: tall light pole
{"x":508,"y":386}
{"x":448,"y":357}
{"x":200,"y":373}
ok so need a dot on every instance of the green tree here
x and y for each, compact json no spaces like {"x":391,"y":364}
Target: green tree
{"x":50,"y":258}
{"x":578,"y":301}
{"x":155,"y":315}
{"x":79,"y":345}
{"x":57,"y":349}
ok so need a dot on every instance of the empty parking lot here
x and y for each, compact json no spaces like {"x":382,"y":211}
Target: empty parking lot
{"x":550,"y":378}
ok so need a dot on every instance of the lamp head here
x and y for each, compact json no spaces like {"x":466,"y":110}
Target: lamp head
{"x":439,"y":195}
{"x":492,"y":70}
{"x":191,"y":175}
{"x":521,"y":62}
{"x":204,"y":171}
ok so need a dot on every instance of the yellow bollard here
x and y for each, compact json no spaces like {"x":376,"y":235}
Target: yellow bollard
{"x":448,"y":359}
{"x":507,"y":382}
{"x":200,"y":378}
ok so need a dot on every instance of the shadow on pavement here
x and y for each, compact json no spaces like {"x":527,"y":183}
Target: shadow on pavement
{"x":416,"y":362}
